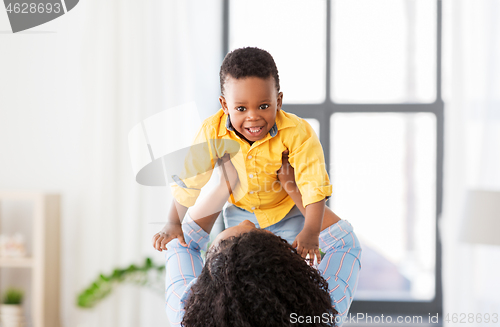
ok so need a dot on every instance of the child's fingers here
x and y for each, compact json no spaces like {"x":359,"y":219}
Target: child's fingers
{"x":311,"y":256}
{"x":303,"y":252}
{"x":294,"y":244}
{"x":164,"y":242}
{"x":155,"y":237}
{"x":158,"y":243}
{"x":181,"y":240}
{"x":161,"y":243}
{"x":318,"y":255}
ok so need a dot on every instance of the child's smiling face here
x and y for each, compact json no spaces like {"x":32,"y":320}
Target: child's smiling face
{"x":252,"y":104}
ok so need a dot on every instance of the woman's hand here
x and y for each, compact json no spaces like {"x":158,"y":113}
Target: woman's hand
{"x":168,"y":233}
{"x":228,"y":174}
{"x":307,"y":242}
{"x":286,"y":174}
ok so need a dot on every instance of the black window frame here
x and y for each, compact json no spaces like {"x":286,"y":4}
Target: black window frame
{"x":323,"y":111}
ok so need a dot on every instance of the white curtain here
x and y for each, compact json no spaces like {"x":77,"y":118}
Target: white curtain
{"x":472,"y":151}
{"x":138,"y":59}
{"x":70,"y":92}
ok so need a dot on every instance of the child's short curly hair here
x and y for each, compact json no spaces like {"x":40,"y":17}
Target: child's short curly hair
{"x":246,"y":62}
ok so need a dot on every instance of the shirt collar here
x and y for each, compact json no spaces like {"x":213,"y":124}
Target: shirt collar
{"x":229,"y":126}
{"x":223,"y":126}
{"x":283,"y":121}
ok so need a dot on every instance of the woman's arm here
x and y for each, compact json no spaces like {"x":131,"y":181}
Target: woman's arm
{"x":341,"y":264}
{"x":287,"y":179}
{"x":184,"y":264}
{"x":206,"y":211}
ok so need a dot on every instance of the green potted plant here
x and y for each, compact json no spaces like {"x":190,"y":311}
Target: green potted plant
{"x":149,"y":275}
{"x":11,"y":311}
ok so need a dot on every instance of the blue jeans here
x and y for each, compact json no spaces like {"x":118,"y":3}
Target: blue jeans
{"x":287,"y":228}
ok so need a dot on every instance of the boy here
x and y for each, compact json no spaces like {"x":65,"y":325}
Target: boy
{"x":251,"y":117}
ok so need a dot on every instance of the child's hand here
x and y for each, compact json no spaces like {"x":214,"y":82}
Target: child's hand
{"x":168,"y":233}
{"x":307,"y":242}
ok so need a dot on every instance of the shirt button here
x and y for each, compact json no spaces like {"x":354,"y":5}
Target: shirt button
{"x":253,"y":208}
{"x":249,"y":157}
{"x":251,"y":175}
{"x":251,"y":192}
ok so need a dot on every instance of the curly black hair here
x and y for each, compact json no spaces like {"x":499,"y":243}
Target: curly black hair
{"x":246,"y":62}
{"x":256,"y":279}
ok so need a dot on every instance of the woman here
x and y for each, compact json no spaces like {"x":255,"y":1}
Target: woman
{"x":252,"y":277}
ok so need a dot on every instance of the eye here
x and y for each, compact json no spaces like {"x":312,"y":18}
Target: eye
{"x":240,"y":108}
{"x":264,"y":106}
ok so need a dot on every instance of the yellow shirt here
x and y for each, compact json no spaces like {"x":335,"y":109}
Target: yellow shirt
{"x":259,"y":190}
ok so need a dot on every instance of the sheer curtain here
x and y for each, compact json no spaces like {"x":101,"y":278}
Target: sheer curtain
{"x":472,"y":151}
{"x":70,"y":91}
{"x":138,"y":58}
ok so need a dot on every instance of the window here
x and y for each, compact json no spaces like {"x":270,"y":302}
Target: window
{"x":366,"y":75}
{"x":283,"y":28}
{"x":383,"y":168}
{"x":383,"y":51}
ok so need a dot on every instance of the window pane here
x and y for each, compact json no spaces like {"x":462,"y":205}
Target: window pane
{"x":383,"y":51}
{"x":294,"y":33}
{"x":314,"y":124}
{"x":384,"y":182}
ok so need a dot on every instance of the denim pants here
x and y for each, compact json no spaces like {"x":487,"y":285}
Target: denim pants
{"x":287,"y":228}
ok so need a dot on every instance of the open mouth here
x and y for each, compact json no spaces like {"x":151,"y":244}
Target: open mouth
{"x":254,"y":131}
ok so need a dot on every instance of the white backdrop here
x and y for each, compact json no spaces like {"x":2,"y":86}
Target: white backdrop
{"x":70,"y":91}
{"x":472,"y":150}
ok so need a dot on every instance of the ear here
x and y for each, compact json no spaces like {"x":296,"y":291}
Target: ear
{"x":223,"y":103}
{"x":280,"y":100}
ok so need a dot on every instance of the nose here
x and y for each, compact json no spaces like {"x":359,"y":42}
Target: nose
{"x":252,"y":115}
